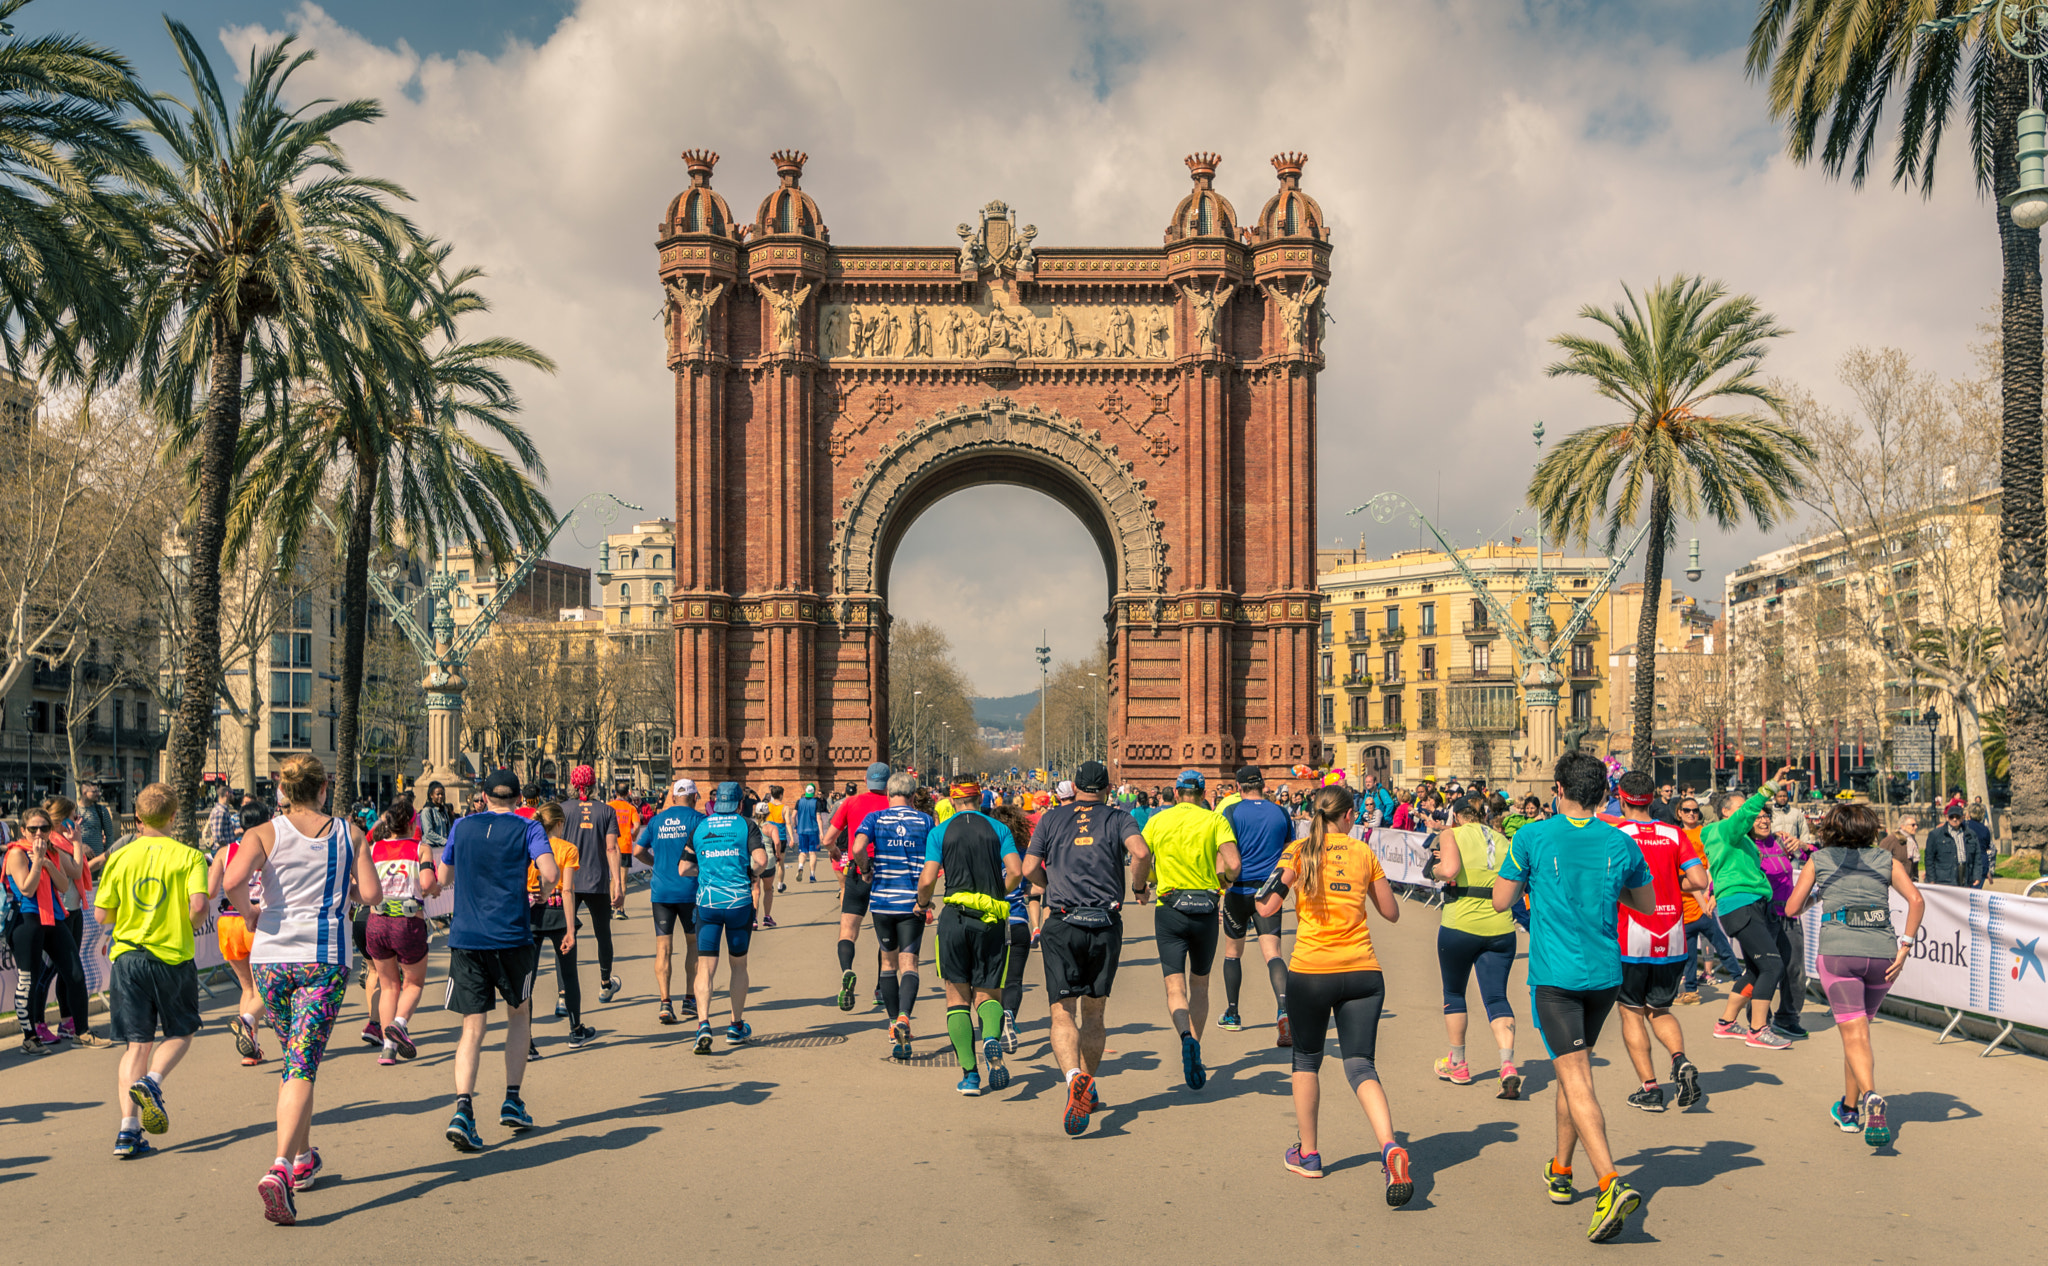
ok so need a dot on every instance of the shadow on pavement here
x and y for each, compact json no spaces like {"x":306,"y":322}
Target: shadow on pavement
{"x":27,"y":1113}
{"x":1736,"y":1077}
{"x":1679,"y":1166}
{"x":1924,"y":1107}
{"x":363,"y":1110}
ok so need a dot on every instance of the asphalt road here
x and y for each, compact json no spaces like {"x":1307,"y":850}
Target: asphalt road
{"x":812,"y":1145}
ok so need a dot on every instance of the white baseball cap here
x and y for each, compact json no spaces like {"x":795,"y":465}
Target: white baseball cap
{"x":1065,"y":790}
{"x":683,"y":787}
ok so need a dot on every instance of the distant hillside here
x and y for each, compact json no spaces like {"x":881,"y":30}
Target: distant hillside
{"x":1007,"y":713}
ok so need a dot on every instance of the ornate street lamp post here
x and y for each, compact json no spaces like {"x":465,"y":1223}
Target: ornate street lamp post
{"x":2021,"y":29}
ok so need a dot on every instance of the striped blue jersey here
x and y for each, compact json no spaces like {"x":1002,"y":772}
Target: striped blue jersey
{"x":896,"y":842}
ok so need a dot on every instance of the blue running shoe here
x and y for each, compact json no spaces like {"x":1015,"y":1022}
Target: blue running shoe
{"x":1191,"y":1062}
{"x":992,"y":1059}
{"x":970,"y":1085}
{"x":462,"y":1133}
{"x":275,"y":1188}
{"x":899,"y":1033}
{"x":1844,"y":1118}
{"x":1080,"y":1103}
{"x":130,"y":1145}
{"x":514,"y":1117}
{"x":703,"y":1046}
{"x":1877,"y":1130}
{"x":1231,"y":1021}
{"x":737,"y":1033}
{"x":1307,"y":1164}
{"x":303,"y":1175}
{"x":149,"y":1105}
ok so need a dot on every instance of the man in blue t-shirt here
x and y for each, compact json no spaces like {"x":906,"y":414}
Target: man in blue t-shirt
{"x":1576,"y":870}
{"x":725,"y":854}
{"x":807,"y":832}
{"x":1263,"y":830}
{"x":491,"y":950}
{"x":672,"y":896}
{"x":894,"y":839}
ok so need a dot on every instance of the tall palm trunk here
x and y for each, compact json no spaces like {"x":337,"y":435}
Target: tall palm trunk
{"x":2023,"y":532}
{"x":355,"y":613}
{"x":1643,"y":752}
{"x":201,"y":673}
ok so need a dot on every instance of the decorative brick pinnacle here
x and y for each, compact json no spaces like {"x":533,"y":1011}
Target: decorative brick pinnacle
{"x":789,"y":164}
{"x":1203,"y":166}
{"x":1289,"y":164}
{"x":700,"y":162}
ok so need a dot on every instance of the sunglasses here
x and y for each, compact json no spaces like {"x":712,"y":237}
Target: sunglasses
{"x":37,"y":830}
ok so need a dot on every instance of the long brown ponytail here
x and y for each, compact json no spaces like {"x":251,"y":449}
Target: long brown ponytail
{"x":1328,"y":808}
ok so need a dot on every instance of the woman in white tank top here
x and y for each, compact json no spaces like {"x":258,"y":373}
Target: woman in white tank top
{"x":299,"y":953}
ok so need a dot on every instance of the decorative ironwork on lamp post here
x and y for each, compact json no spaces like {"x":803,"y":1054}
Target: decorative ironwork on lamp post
{"x":2021,"y":28}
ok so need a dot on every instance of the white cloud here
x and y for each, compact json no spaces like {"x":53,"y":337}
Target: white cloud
{"x":1485,"y":175}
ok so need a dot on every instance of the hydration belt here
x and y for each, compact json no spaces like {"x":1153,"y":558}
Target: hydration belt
{"x":1860,"y":917}
{"x":399,"y":908}
{"x":1460,"y":894}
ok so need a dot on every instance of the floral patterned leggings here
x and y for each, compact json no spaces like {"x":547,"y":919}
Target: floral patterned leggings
{"x":303,"y":999}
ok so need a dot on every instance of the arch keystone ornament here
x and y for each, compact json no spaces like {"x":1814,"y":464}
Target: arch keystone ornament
{"x":826,"y":396}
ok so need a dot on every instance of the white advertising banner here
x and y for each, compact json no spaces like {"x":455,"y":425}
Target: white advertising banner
{"x":1978,"y":951}
{"x":205,"y":952}
{"x":1404,"y":855}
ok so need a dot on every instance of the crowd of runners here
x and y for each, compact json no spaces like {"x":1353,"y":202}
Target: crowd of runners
{"x":1621,"y":895}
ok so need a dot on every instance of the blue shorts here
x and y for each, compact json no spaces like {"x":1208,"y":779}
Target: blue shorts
{"x":806,"y":843}
{"x":738,"y":926}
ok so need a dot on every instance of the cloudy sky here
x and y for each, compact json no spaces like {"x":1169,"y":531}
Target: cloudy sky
{"x":1488,"y":166}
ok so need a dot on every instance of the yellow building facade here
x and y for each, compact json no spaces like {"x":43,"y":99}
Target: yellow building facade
{"x":1417,"y":680}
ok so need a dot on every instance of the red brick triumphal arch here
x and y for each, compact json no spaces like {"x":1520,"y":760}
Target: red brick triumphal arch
{"x":827,"y":395}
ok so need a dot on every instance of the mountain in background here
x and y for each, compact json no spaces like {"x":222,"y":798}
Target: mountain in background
{"x":1007,"y":713}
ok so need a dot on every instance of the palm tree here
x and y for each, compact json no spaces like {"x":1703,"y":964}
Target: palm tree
{"x":1676,"y":351}
{"x":400,"y":474}
{"x":1832,"y":66}
{"x":62,"y":234}
{"x":263,"y":247}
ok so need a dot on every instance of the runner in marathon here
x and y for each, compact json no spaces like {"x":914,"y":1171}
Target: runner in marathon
{"x":724,"y":854}
{"x":853,"y":886}
{"x":775,"y":833}
{"x":672,"y":897}
{"x":889,"y":844}
{"x":1577,"y":870}
{"x":1743,"y":895}
{"x":397,"y":935}
{"x":977,"y":856}
{"x":1852,"y":876}
{"x":1474,"y":935}
{"x":299,"y":953}
{"x":806,"y":815}
{"x":234,"y":937}
{"x":629,"y":829}
{"x":491,"y":952}
{"x":551,"y":910}
{"x":151,"y":897}
{"x":1653,"y":947}
{"x":1263,"y":831}
{"x":1078,"y":853}
{"x":1334,"y":975}
{"x":1019,"y":929}
{"x":1194,"y":855}
{"x":600,"y":880}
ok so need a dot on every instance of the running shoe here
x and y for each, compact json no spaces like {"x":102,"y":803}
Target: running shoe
{"x":304,"y":1172}
{"x":1876,"y":1130}
{"x":388,"y":1057}
{"x":1648,"y":1098}
{"x":1400,"y":1183}
{"x":401,"y":1040}
{"x":1191,"y":1062}
{"x":611,"y":989}
{"x":1283,"y":1033}
{"x":580,"y":1036}
{"x":245,"y":1038}
{"x":1307,"y":1164}
{"x":780,"y":888}
{"x":532,"y":1051}
{"x":992,"y":1059}
{"x":737,"y":1033}
{"x":769,"y":922}
{"x":1768,"y":1039}
{"x":1230,"y":1021}
{"x":1034,"y":937}
{"x":90,"y":1038}
{"x":49,"y":1036}
{"x":130,"y":1145}
{"x":1510,"y":1083}
{"x":149,"y":1105}
{"x":561,"y":1010}
{"x":970,"y":1085}
{"x":666,"y":1013}
{"x":849,"y":983}
{"x":704,"y":1038}
{"x":1690,"y":998}
{"x":512,"y":1114}
{"x":276,"y":1189}
{"x":1611,"y":1213}
{"x":1844,"y":1117}
{"x":899,"y":1033}
{"x":1009,"y":1032}
{"x":878,"y":996}
{"x":1733,"y":1030}
{"x":373,"y":1034}
{"x":1790,"y":1026}
{"x":1079,"y":1093}
{"x":1560,"y":1185}
{"x":619,"y":915}
{"x":688,"y":1011}
{"x":1459,"y":1074}
{"x":33,"y":1045}
{"x":1687,"y":1076}
{"x":462,"y":1132}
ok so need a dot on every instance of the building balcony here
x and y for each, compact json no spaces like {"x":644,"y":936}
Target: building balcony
{"x":1358,"y":683}
{"x":1488,"y":676}
{"x":45,"y":678}
{"x":1358,"y":638}
{"x":1360,"y":733}
{"x":1481,"y":629}
{"x":1428,"y":630}
{"x":1588,"y":673}
{"x":1393,"y":637}
{"x":1587,"y":631}
{"x":1392,"y":683}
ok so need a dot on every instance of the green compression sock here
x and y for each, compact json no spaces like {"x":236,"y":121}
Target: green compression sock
{"x":990,"y":1013}
{"x":960,"y":1028}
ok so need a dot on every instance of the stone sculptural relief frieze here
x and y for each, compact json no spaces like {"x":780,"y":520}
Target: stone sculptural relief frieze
{"x":1042,"y":331}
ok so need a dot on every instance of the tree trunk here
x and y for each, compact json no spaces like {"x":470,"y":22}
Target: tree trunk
{"x":219,"y":435}
{"x":1643,"y":752}
{"x":251,"y":727}
{"x":1970,"y":739}
{"x":355,"y":614}
{"x":2023,"y":532}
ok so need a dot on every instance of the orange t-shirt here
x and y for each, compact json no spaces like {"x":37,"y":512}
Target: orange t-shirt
{"x":1332,"y":936}
{"x":629,"y":823}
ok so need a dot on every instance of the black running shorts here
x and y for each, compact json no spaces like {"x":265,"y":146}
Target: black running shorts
{"x":856,"y":899}
{"x":477,"y":979}
{"x":972,"y":952}
{"x":1187,"y":942}
{"x":899,"y":933}
{"x":151,"y":998}
{"x":1240,"y":916}
{"x":1080,"y":962}
{"x":1650,"y":985}
{"x":1569,"y":1020}
{"x":668,"y":914}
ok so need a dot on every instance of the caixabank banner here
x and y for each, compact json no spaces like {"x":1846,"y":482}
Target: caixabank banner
{"x":1981,"y":952}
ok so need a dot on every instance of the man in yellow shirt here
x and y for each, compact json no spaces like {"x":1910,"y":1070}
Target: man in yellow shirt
{"x":151,"y":896}
{"x":1195,"y":855}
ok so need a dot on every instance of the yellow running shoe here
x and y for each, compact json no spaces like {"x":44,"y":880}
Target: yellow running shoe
{"x":1560,"y":1184}
{"x":1611,"y":1213}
